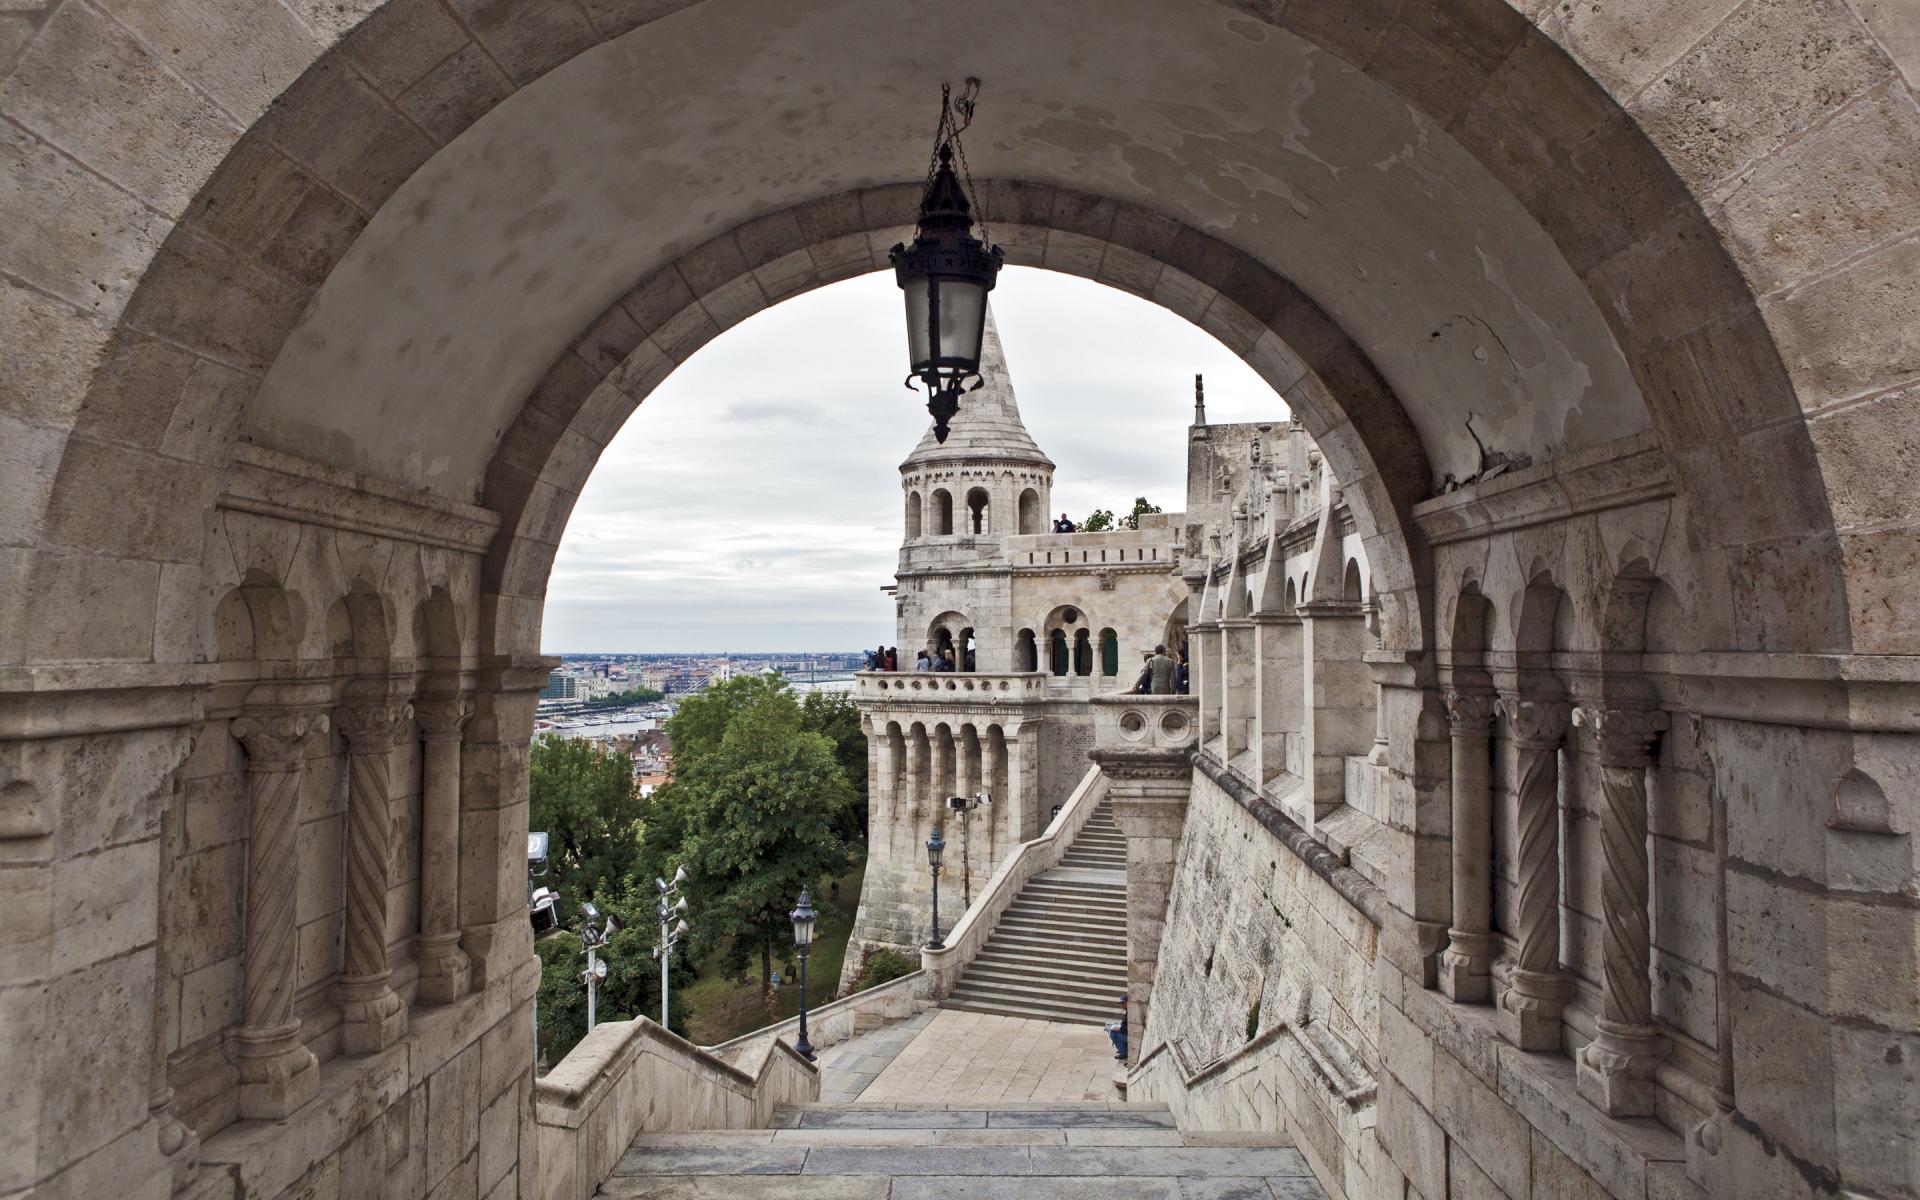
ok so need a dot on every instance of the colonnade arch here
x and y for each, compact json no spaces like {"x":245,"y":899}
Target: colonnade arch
{"x":173,"y":309}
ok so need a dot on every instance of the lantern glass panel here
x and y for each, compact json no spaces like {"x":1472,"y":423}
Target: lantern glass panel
{"x":963,"y":315}
{"x":919,"y":335}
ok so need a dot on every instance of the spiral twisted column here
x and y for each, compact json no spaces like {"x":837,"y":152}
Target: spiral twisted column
{"x":445,"y":971}
{"x":373,"y":1016}
{"x":1466,"y":964}
{"x":1616,"y":1069}
{"x":1530,"y":1007}
{"x":277,"y":1072}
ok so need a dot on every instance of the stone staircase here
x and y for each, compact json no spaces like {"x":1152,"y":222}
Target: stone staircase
{"x":1059,"y":952}
{"x":1035,"y":1151}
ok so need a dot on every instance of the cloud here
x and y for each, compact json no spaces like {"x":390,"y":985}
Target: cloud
{"x":749,"y":506}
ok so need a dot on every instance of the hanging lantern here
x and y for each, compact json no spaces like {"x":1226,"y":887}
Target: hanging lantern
{"x":946,"y":274}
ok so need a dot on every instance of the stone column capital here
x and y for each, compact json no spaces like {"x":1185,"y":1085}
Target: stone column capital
{"x":373,"y":726}
{"x":1470,"y":713}
{"x":1626,"y":736}
{"x":1143,"y":765}
{"x":1538,"y":724}
{"x":442,"y":718}
{"x":274,"y":739}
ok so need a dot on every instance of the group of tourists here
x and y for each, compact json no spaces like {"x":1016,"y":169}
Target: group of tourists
{"x":1162,"y":674}
{"x":883,"y":658}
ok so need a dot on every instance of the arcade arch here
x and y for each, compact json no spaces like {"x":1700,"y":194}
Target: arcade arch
{"x":254,"y":312}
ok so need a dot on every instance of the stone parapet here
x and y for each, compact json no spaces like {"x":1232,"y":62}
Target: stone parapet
{"x":950,"y":687}
{"x":631,"y":1077}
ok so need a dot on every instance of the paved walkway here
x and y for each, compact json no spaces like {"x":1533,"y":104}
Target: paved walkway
{"x":963,"y":1057}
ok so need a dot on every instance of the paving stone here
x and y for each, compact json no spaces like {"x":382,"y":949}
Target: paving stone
{"x":745,"y":1187}
{"x":1122,"y":1160}
{"x":1081,"y":1120}
{"x":713,"y":1160}
{"x":1035,"y":1189}
{"x":921,"y":1160}
{"x":893,"y":1120}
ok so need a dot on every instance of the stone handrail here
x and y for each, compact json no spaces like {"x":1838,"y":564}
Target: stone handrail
{"x":837,"y":1020}
{"x":969,"y":935}
{"x":1227,"y":1093}
{"x":947,"y":687}
{"x":631,"y":1077}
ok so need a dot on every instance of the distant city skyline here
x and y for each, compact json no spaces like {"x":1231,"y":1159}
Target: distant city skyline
{"x":774,"y":531}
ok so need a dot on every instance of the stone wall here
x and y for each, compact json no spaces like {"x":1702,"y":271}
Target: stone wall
{"x":1256,"y":939}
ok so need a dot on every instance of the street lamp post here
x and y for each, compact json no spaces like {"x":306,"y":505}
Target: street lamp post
{"x":936,"y":846}
{"x":802,"y":917}
{"x":965,"y":805}
{"x":669,"y":910}
{"x":595,"y":933}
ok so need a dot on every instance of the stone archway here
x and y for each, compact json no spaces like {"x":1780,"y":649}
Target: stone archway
{"x":214,"y":301}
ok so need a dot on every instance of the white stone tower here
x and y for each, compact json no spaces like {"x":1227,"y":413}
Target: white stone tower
{"x":988,"y":481}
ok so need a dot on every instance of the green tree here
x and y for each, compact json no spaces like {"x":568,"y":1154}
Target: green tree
{"x":1102,"y":518}
{"x":701,"y":720}
{"x":583,"y":795}
{"x":1140,"y":509}
{"x":753,"y":817}
{"x":836,"y":717}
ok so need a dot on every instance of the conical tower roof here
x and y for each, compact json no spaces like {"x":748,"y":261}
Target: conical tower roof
{"x":988,"y":426}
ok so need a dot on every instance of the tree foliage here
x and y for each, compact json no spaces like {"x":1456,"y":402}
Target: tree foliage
{"x":1100,"y":519}
{"x":755,"y":811}
{"x":583,"y":796}
{"x":1140,"y":509}
{"x":836,"y":717}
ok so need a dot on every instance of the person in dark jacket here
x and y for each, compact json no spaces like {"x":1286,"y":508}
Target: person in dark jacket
{"x":893,"y":659}
{"x":1065,"y":525}
{"x":1117,"y":1030}
{"x":1180,"y":675}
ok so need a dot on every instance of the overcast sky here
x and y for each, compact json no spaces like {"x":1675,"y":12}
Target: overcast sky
{"x":753,"y":502}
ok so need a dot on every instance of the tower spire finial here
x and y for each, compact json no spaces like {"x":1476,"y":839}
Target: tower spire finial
{"x":1199,"y":400}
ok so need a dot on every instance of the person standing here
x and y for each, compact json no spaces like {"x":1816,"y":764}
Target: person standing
{"x":893,"y":659}
{"x":1180,"y":675}
{"x":1160,"y":668}
{"x":1065,"y":525}
{"x":923,"y":663}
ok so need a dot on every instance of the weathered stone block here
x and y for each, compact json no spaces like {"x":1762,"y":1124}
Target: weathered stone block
{"x":1475,"y":1116}
{"x":453,"y":1115}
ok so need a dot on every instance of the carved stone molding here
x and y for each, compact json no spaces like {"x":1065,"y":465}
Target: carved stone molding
{"x":1470,"y":713}
{"x":1143,"y":765}
{"x":1537,"y":723}
{"x":1626,"y":736}
{"x":275,"y":741}
{"x":442,"y":718}
{"x":371,"y":727}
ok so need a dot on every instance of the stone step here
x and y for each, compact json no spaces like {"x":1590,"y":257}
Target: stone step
{"x":1092,"y":893}
{"x":1068,"y":1007}
{"x":1049,"y":932}
{"x":1005,"y":1007}
{"x":1049,"y":909}
{"x":1053,"y":951}
{"x":1144,"y":1162}
{"x":1080,"y":982}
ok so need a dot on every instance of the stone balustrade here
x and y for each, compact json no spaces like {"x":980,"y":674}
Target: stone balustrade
{"x":1258,"y":1086}
{"x":631,"y":1077}
{"x":968,"y":936}
{"x":1135,"y":724}
{"x":948,"y":687}
{"x":837,"y":1020}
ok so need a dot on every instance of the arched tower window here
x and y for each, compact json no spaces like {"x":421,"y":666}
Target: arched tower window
{"x":913,"y":515}
{"x":1082,"y":653}
{"x":1030,"y":511}
{"x":977,"y":519}
{"x":1109,"y":653}
{"x":1057,"y":644}
{"x":1026,"y":651}
{"x":1350,"y":589}
{"x":942,"y":514}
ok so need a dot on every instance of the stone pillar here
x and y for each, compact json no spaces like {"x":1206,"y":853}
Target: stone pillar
{"x":1616,"y":1069}
{"x":277,"y":1072}
{"x":1277,"y":692}
{"x":940,"y":784}
{"x":1530,"y":1008}
{"x":1466,"y":964}
{"x":372,"y":1014}
{"x":881,"y":787}
{"x":1339,"y":698}
{"x":1204,"y":679}
{"x":177,"y":1144}
{"x":1023,"y":779}
{"x":915,"y":780}
{"x":1236,"y":684}
{"x":444,"y":970}
{"x":965,"y":760}
{"x":1149,"y":791}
